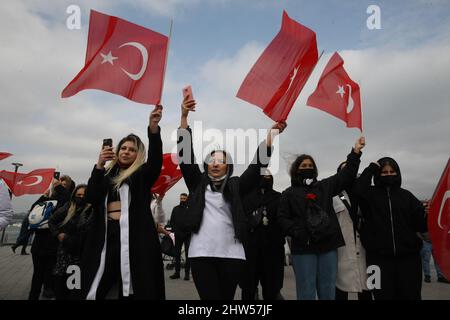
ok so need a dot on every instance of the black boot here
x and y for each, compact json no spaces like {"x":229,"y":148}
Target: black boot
{"x":175,"y":276}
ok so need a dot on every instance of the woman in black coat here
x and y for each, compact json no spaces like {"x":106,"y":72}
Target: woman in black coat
{"x":65,"y":226}
{"x":392,"y":217}
{"x":306,"y":214}
{"x":122,"y":248}
{"x":215,"y":216}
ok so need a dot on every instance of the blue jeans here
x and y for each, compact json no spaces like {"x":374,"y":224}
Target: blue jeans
{"x":426,"y":253}
{"x":315,"y":272}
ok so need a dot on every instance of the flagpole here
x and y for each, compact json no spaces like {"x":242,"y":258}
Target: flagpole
{"x":167,"y":57}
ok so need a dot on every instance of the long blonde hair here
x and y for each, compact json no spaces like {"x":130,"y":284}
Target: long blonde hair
{"x":73,"y":207}
{"x":139,"y":161}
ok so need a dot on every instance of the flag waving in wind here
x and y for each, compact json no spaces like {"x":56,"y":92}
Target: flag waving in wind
{"x":337,"y":94}
{"x":170,"y":174}
{"x":122,"y":58}
{"x":439,"y":222}
{"x":35,"y":182}
{"x":276,"y":79}
{"x":4,"y":155}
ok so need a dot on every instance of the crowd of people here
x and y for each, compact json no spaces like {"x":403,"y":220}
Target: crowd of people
{"x":233,"y":229}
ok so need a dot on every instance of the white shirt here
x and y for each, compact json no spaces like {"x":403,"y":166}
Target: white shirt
{"x":215,"y":237}
{"x":6,"y":211}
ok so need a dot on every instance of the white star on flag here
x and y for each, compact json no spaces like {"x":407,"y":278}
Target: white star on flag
{"x":108,"y":58}
{"x":341,"y":91}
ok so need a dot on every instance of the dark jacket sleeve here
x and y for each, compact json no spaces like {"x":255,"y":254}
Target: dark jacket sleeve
{"x":346,"y":176}
{"x":285,"y":217}
{"x":56,"y":219}
{"x":363,"y":183}
{"x":250,"y":178}
{"x":94,"y":191}
{"x":152,"y":168}
{"x":418,"y":214}
{"x":186,"y":158}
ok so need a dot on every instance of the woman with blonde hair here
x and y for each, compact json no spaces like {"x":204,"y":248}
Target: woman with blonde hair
{"x":122,"y":246}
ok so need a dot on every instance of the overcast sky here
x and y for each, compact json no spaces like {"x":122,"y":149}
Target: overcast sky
{"x":403,"y":70}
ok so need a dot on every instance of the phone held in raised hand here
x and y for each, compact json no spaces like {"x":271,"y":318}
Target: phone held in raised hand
{"x":56,"y":175}
{"x":187,"y":92}
{"x":107,"y":143}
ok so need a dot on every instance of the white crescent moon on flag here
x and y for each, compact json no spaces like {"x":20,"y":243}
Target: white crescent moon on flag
{"x":38,"y":180}
{"x":351,"y":103}
{"x":444,"y":199}
{"x":144,"y":53}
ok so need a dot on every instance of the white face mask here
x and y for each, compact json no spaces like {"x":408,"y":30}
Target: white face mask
{"x":217,"y":179}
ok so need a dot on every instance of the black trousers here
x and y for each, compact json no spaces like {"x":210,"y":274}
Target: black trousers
{"x":401,"y":277}
{"x":343,"y":295}
{"x":42,"y":275}
{"x":111,"y":275}
{"x":179,"y":241}
{"x":216,"y":278}
{"x":264,"y":265}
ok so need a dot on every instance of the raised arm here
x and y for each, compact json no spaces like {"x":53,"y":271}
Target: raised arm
{"x":186,"y":158}
{"x":347,"y":175}
{"x":249,"y":179}
{"x":363,"y":183}
{"x":152,"y":168}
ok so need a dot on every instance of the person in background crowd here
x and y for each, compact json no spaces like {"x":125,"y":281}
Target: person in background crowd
{"x":158,"y":213}
{"x":392,"y":218}
{"x":427,"y":252}
{"x":65,"y":226}
{"x":352,"y":268}
{"x":264,"y":249}
{"x":122,"y":256}
{"x":181,"y":238}
{"x":6,"y":211}
{"x":306,"y":215}
{"x":215,"y":214}
{"x":44,"y":247}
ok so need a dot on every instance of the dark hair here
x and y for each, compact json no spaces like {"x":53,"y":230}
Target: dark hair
{"x":78,"y":187}
{"x":183,"y":194}
{"x":298,"y":161}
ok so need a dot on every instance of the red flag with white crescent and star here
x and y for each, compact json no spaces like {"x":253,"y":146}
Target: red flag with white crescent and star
{"x":281,"y":72}
{"x":34,"y":182}
{"x":122,"y":58}
{"x":439,"y":222}
{"x":170,"y":174}
{"x":337,"y":94}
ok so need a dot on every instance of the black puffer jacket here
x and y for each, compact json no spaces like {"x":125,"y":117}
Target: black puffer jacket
{"x":235,"y":189}
{"x":392,"y":215}
{"x":292,"y":210}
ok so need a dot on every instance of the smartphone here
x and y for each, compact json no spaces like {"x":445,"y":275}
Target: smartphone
{"x":107,"y":143}
{"x":56,"y":175}
{"x":187,"y":91}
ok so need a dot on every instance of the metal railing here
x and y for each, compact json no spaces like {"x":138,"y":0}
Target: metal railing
{"x":11,"y":232}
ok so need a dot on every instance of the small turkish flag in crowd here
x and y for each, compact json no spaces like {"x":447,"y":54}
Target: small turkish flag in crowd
{"x":337,"y":94}
{"x":280,"y":73}
{"x":439,"y":222}
{"x":4,"y":155}
{"x":35,"y":182}
{"x":122,"y":58}
{"x":170,"y":174}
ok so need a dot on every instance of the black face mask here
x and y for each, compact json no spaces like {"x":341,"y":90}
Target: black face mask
{"x":303,"y":174}
{"x":79,"y":201}
{"x":183,"y":203}
{"x":388,"y":181}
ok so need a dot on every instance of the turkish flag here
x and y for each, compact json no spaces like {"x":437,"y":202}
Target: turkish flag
{"x":122,"y":58}
{"x":280,"y":73}
{"x":35,"y":182}
{"x":4,"y":155}
{"x":337,"y":94}
{"x":439,"y":222}
{"x":170,"y":174}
